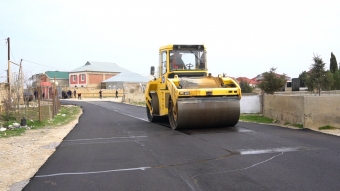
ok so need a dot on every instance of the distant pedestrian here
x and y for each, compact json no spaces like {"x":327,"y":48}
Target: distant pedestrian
{"x":116,"y":93}
{"x":23,"y":122}
{"x":75,"y":93}
{"x":79,"y":95}
{"x":69,"y":93}
{"x":43,"y":95}
{"x":35,"y":94}
{"x":100,"y":94}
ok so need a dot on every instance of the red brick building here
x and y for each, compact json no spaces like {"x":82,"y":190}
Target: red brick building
{"x":93,"y":73}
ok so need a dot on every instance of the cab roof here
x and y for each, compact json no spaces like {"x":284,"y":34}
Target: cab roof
{"x":182,"y":46}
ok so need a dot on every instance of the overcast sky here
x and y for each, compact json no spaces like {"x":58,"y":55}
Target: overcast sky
{"x":243,"y":38}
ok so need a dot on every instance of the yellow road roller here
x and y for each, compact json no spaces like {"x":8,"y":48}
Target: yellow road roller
{"x":184,"y":92}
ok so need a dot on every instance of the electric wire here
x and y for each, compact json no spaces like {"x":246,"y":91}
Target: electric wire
{"x":3,"y":35}
{"x":43,"y":65}
{"x":13,"y":56}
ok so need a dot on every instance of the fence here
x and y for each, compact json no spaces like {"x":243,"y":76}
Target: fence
{"x":31,"y":108}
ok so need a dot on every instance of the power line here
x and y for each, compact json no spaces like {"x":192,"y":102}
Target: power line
{"x":43,"y":65}
{"x":2,"y":34}
{"x":13,"y":56}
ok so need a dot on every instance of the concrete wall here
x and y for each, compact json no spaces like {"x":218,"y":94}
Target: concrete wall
{"x":310,"y":110}
{"x":250,"y":103}
{"x":305,"y":92}
{"x":287,"y":108}
{"x":322,"y":110}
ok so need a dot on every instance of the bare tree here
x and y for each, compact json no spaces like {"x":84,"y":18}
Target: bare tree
{"x":28,"y":91}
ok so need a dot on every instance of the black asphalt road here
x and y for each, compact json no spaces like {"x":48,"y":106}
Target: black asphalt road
{"x":113,"y":147}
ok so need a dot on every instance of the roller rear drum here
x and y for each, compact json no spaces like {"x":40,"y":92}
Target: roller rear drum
{"x":204,"y":112}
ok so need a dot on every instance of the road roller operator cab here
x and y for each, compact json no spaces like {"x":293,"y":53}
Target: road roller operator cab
{"x":184,"y":93}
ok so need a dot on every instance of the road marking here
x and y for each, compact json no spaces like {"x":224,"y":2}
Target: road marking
{"x":240,"y":169}
{"x":96,"y":142}
{"x":272,"y":150}
{"x":95,"y":172}
{"x":101,"y":140}
{"x":130,"y":137}
{"x":281,"y":151}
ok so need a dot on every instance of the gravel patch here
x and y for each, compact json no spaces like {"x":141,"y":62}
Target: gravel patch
{"x":22,"y":156}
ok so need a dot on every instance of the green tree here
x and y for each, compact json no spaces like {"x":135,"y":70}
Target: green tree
{"x":333,"y":65}
{"x":304,"y":77}
{"x":272,"y":82}
{"x":318,"y":77}
{"x":245,"y":87}
{"x":327,"y":82}
{"x":336,"y":78}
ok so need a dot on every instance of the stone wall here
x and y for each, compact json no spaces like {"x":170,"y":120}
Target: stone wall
{"x":3,"y":91}
{"x":3,"y":95}
{"x":310,"y":110}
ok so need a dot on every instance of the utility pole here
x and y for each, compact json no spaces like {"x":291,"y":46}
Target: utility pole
{"x":39,"y":93}
{"x":53,"y":98}
{"x":9,"y":69}
{"x":9,"y":63}
{"x":21,"y":76}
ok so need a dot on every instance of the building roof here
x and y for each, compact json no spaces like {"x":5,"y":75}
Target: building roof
{"x":93,"y":66}
{"x":245,"y":79}
{"x":260,"y":77}
{"x":57,"y":74}
{"x":127,"y":76}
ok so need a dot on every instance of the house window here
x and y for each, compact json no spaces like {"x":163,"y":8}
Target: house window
{"x":83,"y":77}
{"x":74,"y":78}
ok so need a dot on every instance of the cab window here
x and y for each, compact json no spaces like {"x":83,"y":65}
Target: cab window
{"x":163,"y":60}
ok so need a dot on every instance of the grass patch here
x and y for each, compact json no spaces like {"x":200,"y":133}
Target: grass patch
{"x":70,"y":115}
{"x":12,"y":133}
{"x":298,"y":125}
{"x":257,"y":118}
{"x":142,"y":103}
{"x":65,"y":115}
{"x":327,"y":127}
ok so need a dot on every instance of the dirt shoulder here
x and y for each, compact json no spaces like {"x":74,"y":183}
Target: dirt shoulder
{"x":22,"y":156}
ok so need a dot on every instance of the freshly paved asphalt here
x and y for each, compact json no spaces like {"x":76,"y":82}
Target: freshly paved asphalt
{"x":113,"y":147}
